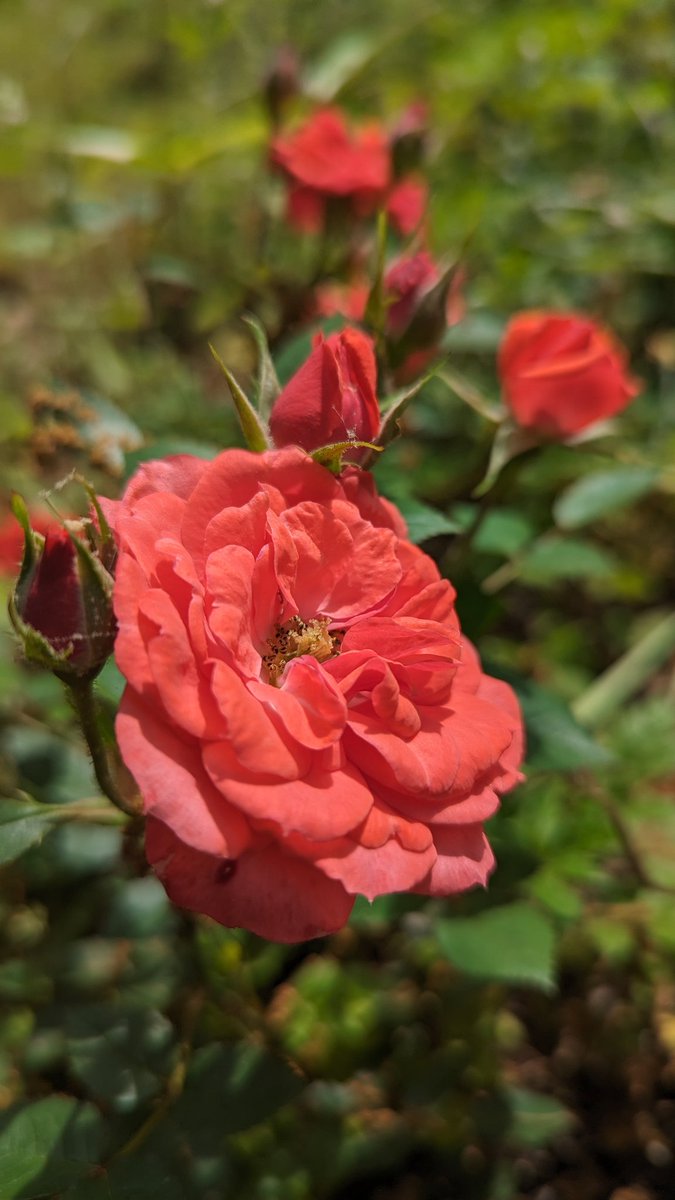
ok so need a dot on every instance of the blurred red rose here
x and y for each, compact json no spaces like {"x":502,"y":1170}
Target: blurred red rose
{"x":301,"y":715}
{"x":561,"y":372}
{"x":332,"y":398}
{"x":407,"y":203}
{"x":324,"y":159}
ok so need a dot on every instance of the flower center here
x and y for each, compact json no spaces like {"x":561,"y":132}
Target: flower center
{"x":298,"y":637}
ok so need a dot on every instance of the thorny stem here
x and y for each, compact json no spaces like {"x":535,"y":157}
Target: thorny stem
{"x":111,"y":774}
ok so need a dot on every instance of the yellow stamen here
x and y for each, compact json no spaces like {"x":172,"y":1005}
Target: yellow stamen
{"x":296,"y":638}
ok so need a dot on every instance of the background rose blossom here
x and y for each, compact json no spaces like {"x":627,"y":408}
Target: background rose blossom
{"x":323,"y":158}
{"x":277,"y":789}
{"x":561,"y":372}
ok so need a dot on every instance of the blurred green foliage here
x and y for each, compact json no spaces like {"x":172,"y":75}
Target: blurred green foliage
{"x":515,"y":1043}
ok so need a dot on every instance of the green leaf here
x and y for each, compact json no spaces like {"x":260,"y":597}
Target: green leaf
{"x":343,"y":58}
{"x":628,"y":674}
{"x":505,"y":531}
{"x":514,"y":944}
{"x":46,"y":1146}
{"x":536,"y":1119}
{"x":252,"y":427}
{"x":22,"y":824}
{"x":120,"y":1054}
{"x":423,"y":521}
{"x":396,"y":406}
{"x":470,"y":394}
{"x":230,"y":1088}
{"x":596,"y":494}
{"x":509,"y":442}
{"x":267,"y":383}
{"x":553,"y":558}
{"x":555,"y":740}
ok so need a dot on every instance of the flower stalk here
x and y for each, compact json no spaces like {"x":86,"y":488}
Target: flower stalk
{"x":111,"y":775}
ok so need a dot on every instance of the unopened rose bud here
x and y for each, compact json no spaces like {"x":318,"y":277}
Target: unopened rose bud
{"x":61,"y":607}
{"x":281,"y":82}
{"x":332,"y":398}
{"x":408,"y":139}
{"x":423,"y":304}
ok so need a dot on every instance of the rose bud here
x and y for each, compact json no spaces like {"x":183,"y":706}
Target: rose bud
{"x":408,"y":138}
{"x":281,"y":83}
{"x":561,"y":372}
{"x":332,"y":397}
{"x":61,"y":607}
{"x":423,"y":303}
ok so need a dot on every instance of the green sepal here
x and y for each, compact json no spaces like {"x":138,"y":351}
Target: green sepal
{"x":106,"y":546}
{"x":35,"y":647}
{"x":252,"y":427}
{"x":510,"y":441}
{"x":389,"y":427}
{"x":32,"y":541}
{"x":472,"y":396}
{"x":332,"y":456}
{"x":428,"y":322}
{"x":267,"y":383}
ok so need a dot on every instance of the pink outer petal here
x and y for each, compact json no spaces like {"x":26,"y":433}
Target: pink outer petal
{"x":324,"y":804}
{"x":173,"y":783}
{"x":267,"y":891}
{"x":464,"y":860}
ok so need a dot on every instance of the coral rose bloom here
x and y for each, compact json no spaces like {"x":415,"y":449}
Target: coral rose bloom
{"x":561,"y":372}
{"x":301,"y":716}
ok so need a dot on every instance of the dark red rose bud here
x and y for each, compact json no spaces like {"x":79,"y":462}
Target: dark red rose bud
{"x":61,"y":606}
{"x":281,"y":83}
{"x":409,"y":138}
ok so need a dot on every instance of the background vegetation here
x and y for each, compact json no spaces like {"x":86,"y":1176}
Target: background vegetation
{"x":509,"y":1044}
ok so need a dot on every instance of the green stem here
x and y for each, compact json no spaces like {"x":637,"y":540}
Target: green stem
{"x":627,"y":675}
{"x":111,"y":774}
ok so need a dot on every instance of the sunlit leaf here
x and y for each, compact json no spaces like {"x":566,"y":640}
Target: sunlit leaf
{"x":514,"y":944}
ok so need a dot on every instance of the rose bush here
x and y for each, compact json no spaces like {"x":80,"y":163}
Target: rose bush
{"x":561,"y":373}
{"x":302,"y":716}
